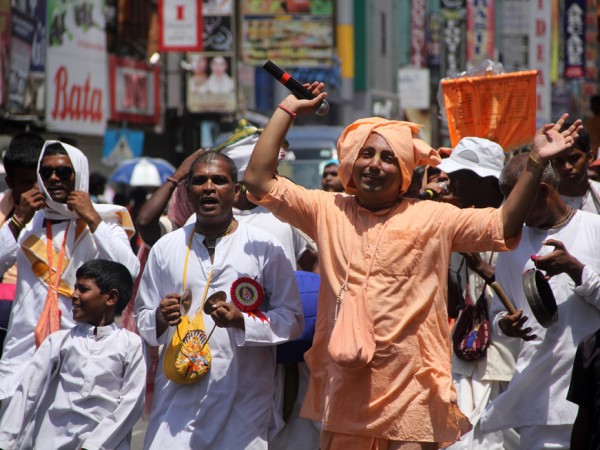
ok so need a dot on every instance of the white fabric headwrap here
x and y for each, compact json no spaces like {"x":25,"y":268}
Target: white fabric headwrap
{"x":56,"y":210}
{"x":60,"y":211}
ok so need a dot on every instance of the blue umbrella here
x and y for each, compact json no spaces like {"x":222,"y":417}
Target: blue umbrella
{"x":142,"y":172}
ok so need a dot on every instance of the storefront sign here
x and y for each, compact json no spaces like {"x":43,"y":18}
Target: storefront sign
{"x":76,"y":94}
{"x":539,"y":54}
{"x":180,"y":25}
{"x":134,"y":91}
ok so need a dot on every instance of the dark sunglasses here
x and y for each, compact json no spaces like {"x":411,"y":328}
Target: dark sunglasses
{"x":62,"y":172}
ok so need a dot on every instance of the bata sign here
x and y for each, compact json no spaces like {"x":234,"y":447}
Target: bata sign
{"x":76,"y":102}
{"x":77,"y":67}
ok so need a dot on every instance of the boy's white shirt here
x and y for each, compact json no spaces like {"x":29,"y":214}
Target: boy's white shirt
{"x":79,"y":383}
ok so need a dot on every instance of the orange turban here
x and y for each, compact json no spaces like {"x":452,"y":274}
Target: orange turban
{"x":400,"y":136}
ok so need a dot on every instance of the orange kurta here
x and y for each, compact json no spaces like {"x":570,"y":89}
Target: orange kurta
{"x":406,"y":392}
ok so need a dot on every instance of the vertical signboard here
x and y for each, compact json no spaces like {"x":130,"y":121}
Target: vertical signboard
{"x":539,"y":54}
{"x":417,"y":33}
{"x":480,"y":31}
{"x":5,"y":35}
{"x":574,"y":38}
{"x":23,"y":29}
{"x":453,"y":36}
{"x":76,"y":94}
{"x":211,"y":77}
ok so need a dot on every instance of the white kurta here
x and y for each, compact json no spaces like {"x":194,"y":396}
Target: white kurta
{"x":231,"y":406}
{"x":297,"y":433}
{"x":537,"y":393}
{"x":109,"y":241}
{"x":585,"y":202}
{"x":293,"y":243}
{"x":80,"y":391}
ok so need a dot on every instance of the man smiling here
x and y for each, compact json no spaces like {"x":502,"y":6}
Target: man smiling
{"x":55,"y":228}
{"x":380,"y":366}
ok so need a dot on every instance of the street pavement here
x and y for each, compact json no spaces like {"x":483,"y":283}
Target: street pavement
{"x":137,"y":436}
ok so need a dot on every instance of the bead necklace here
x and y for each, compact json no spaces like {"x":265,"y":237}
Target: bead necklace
{"x":568,"y":215}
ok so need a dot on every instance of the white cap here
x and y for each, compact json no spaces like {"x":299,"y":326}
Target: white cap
{"x":484,"y":157}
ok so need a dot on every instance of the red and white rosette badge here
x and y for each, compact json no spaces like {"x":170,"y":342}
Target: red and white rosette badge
{"x":247,"y":294}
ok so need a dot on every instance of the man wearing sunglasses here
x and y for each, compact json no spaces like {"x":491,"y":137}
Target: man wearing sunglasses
{"x":54,"y":230}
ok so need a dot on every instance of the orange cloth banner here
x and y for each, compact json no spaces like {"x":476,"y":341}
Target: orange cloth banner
{"x":500,"y":108}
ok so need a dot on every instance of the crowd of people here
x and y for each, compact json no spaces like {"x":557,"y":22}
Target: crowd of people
{"x":222,"y":338}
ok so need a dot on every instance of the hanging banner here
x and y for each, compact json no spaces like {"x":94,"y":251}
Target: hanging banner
{"x":179,"y":25}
{"x":574,"y":38}
{"x":77,"y":67}
{"x":539,"y":54}
{"x":23,"y":30}
{"x":434,"y":33}
{"x":480,"y":31}
{"x":417,"y":33}
{"x":134,"y":91}
{"x":592,"y":42}
{"x":494,"y":107}
{"x":453,"y":36}
{"x":5,"y":35}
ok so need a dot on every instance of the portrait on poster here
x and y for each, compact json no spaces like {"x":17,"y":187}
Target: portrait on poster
{"x":210,"y":84}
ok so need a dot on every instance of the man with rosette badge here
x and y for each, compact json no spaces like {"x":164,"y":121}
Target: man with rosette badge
{"x":218,"y":294}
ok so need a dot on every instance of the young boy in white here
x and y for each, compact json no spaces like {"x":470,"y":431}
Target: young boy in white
{"x":84,"y":387}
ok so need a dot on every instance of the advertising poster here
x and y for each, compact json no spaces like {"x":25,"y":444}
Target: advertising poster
{"x":77,"y":67}
{"x":453,"y":36}
{"x":23,"y":30}
{"x":180,"y":25}
{"x":5,"y":34}
{"x":417,"y":33}
{"x":134,"y":91}
{"x":293,"y":33}
{"x":480,"y":31}
{"x":210,"y":85}
{"x":574,"y":38}
{"x":217,"y":35}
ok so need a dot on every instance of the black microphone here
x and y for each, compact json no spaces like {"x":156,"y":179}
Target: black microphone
{"x":294,"y":86}
{"x":430,"y":194}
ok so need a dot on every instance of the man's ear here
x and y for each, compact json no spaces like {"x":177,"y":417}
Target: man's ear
{"x":237,"y":188}
{"x":590,"y":157}
{"x":544,"y":189}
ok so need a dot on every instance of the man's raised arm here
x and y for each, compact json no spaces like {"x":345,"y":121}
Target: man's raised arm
{"x":547,"y":143}
{"x":260,"y":174}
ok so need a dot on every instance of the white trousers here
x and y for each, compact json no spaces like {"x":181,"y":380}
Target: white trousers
{"x":473,"y":398}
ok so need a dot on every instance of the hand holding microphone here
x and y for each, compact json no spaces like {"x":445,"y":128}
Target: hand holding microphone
{"x":295,"y":86}
{"x":430,"y":194}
